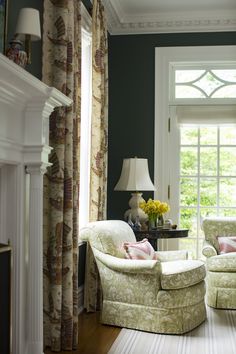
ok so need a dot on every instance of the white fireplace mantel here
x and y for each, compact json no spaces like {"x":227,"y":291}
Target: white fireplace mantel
{"x":25,"y":106}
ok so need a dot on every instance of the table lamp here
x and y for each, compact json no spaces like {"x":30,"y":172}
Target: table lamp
{"x":28,"y":28}
{"x":135,"y":177}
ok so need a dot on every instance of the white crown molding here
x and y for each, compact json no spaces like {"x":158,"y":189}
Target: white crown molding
{"x":120,"y":23}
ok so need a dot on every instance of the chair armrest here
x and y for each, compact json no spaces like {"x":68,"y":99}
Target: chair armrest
{"x":165,"y":256}
{"x":208,"y":250}
{"x":128,"y":265}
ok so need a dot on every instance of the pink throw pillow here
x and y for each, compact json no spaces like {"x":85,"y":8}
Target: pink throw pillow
{"x":227,"y":244}
{"x":139,"y":250}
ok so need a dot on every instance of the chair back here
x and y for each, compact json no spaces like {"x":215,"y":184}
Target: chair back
{"x":107,"y":236}
{"x":218,"y":226}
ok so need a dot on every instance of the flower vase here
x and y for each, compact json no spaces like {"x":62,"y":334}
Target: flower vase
{"x":160,"y":220}
{"x":152,"y":223}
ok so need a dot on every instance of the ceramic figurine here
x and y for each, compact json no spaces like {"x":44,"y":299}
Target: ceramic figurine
{"x":16,"y":54}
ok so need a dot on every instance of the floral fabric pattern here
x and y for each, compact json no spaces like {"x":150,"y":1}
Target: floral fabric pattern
{"x":166,"y":256}
{"x":133,"y":296}
{"x":99,"y":145}
{"x":182,"y":297}
{"x":221,"y":269}
{"x":108,"y":239}
{"x":208,"y":249}
{"x":181,"y":274}
{"x":61,"y":69}
{"x":222,"y":263}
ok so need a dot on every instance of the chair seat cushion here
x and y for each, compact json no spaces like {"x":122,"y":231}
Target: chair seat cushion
{"x":182,"y":273}
{"x":222,"y":263}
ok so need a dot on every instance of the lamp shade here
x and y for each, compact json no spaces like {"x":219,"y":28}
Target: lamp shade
{"x":134,"y":176}
{"x":28,"y":23}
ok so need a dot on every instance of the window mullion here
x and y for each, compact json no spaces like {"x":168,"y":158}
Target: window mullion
{"x":218,"y":170}
{"x":198,"y":194}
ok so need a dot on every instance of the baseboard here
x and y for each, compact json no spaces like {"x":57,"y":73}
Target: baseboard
{"x":80,"y":299}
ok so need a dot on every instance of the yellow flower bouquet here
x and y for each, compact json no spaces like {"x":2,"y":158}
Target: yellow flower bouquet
{"x":154,"y":209}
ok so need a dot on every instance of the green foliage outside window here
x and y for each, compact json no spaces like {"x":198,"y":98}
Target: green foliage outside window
{"x":207,"y":177}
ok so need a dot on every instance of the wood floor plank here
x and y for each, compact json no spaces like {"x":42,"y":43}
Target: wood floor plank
{"x":94,"y":337}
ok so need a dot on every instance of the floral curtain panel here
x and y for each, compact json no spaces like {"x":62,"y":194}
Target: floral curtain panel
{"x":61,"y":69}
{"x":98,"y":177}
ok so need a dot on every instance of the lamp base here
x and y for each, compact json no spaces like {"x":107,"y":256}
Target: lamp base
{"x":135,"y":210}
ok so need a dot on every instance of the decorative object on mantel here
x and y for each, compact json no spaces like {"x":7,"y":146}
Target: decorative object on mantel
{"x":28,"y":28}
{"x":155,"y":210}
{"x":135,"y":177}
{"x":15,"y":52}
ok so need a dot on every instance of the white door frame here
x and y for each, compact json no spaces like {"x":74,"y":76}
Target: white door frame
{"x":165,"y":167}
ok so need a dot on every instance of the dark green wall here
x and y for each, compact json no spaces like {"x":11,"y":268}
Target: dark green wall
{"x":131,"y":100}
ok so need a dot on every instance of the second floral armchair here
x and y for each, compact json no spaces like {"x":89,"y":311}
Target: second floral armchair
{"x":221,"y":265}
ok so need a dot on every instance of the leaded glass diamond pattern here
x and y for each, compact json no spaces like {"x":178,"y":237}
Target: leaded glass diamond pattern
{"x":205,"y":83}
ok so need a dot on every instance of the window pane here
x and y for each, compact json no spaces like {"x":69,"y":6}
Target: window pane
{"x":189,"y":136}
{"x":205,"y":212}
{"x":208,"y":135}
{"x":184,"y":91}
{"x":226,"y":74}
{"x":208,"y":161}
{"x":188,"y":220}
{"x":228,"y":192}
{"x":190,"y":246}
{"x":228,"y":135}
{"x":208,"y":191}
{"x":200,"y":246}
{"x":184,"y":76}
{"x":228,"y":212}
{"x":188,"y":161}
{"x":226,"y":91}
{"x":228,"y":161}
{"x":188,"y":191}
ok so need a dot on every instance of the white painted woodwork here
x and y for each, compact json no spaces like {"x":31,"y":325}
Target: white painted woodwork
{"x":166,"y":164}
{"x":25,"y":106}
{"x":170,"y":16}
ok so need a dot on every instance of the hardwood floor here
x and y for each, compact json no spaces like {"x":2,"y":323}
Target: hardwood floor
{"x":94,"y":337}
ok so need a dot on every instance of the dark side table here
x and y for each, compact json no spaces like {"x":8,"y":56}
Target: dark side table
{"x":154,"y":235}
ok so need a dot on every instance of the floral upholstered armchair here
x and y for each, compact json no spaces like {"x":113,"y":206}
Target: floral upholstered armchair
{"x":162,"y":295}
{"x":220,"y":250}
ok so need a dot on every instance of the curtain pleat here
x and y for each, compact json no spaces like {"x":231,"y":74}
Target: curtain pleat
{"x":61,"y":69}
{"x":99,"y":144}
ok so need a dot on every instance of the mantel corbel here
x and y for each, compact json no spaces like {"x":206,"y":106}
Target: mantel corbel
{"x":37,"y":169}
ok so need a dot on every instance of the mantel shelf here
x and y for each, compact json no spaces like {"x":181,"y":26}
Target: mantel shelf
{"x":22,"y":86}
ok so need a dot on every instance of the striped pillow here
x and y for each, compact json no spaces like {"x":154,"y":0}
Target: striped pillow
{"x":227,"y":244}
{"x":139,"y":250}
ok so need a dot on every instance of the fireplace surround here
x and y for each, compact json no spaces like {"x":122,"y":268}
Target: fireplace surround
{"x":25,"y":106}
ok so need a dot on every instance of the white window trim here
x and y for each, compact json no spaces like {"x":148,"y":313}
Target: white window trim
{"x":86,"y":107}
{"x":196,"y":65}
{"x":165,"y":167}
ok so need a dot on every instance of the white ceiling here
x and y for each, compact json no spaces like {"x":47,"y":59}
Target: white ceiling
{"x":169,"y":16}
